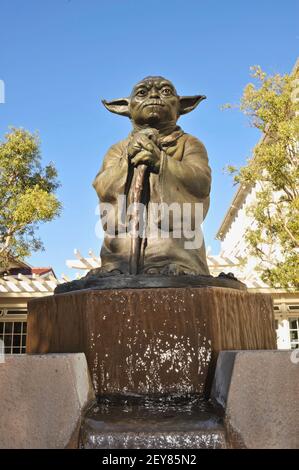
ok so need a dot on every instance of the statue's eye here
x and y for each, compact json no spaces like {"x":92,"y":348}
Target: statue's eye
{"x":141,"y":92}
{"x":166,"y":91}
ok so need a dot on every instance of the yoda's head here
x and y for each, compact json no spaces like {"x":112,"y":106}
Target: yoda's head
{"x":154,"y":102}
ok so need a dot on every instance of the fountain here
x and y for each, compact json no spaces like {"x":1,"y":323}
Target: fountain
{"x":152,"y":320}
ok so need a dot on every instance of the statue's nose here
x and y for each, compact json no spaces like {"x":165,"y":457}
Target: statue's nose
{"x":154,"y":93}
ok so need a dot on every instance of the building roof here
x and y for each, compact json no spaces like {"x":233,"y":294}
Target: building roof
{"x":15,"y":264}
{"x":235,"y":205}
{"x":296,"y":67}
{"x":27,"y":270}
{"x":20,"y":285}
{"x":22,"y":280}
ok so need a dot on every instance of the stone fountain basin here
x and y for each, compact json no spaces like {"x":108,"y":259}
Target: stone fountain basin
{"x":132,"y":422}
{"x":151,"y":340}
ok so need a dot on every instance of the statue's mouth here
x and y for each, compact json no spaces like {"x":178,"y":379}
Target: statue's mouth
{"x":154,"y":103}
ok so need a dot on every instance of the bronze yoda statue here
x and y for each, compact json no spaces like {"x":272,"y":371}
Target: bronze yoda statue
{"x":154,"y":189}
{"x":158,"y":163}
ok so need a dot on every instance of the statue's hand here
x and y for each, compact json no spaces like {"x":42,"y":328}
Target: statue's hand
{"x":143,"y":150}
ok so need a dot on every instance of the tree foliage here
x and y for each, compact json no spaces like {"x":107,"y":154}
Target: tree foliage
{"x":271,"y":103}
{"x":27,"y":194}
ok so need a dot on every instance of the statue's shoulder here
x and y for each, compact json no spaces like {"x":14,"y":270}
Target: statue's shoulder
{"x":193,"y":144}
{"x":119,"y":147}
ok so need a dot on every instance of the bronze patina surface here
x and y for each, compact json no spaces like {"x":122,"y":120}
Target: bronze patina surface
{"x":96,"y":279}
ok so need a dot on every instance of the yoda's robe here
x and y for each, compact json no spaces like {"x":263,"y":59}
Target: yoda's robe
{"x":184,"y":177}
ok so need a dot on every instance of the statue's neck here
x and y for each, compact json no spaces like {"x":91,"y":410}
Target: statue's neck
{"x":163,"y":130}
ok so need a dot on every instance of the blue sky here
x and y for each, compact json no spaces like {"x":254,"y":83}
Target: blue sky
{"x":58,"y":58}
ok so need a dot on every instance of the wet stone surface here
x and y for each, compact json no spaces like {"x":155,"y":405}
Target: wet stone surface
{"x":172,"y":421}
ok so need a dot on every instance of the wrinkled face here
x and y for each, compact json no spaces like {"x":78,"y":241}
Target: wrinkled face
{"x":154,"y":101}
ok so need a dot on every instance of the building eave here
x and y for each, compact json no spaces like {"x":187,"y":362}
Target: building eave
{"x":236,"y":204}
{"x":296,"y":67}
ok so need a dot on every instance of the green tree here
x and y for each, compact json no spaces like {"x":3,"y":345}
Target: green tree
{"x":271,"y":103}
{"x":27,"y":195}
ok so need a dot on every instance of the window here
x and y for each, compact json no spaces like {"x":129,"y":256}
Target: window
{"x":294,"y":332}
{"x":13,"y":330}
{"x":293,"y":308}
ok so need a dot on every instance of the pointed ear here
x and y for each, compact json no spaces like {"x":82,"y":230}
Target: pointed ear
{"x":119,"y":106}
{"x":188,"y":103}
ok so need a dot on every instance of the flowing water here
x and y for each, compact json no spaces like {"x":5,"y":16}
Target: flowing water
{"x":136,"y":421}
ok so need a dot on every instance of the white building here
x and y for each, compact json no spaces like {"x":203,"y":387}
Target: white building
{"x":233,"y":245}
{"x":18,"y":284}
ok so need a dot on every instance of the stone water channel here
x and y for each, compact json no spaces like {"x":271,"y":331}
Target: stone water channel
{"x":136,"y":421}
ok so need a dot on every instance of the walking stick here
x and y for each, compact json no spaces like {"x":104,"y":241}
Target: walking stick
{"x":137,"y":190}
{"x":136,"y":238}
